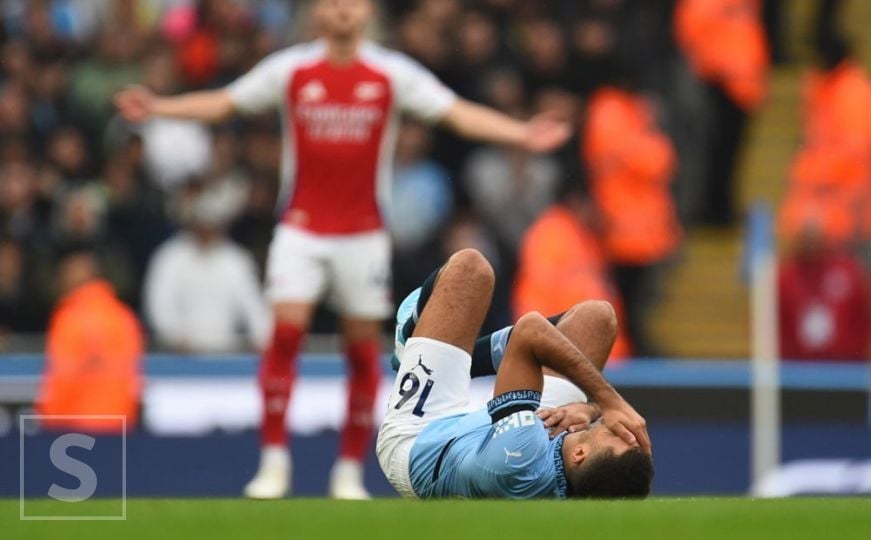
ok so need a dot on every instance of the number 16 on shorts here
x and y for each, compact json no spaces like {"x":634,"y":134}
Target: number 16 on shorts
{"x":409,"y":387}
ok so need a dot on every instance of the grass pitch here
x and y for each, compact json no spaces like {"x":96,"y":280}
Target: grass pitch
{"x":667,"y":519}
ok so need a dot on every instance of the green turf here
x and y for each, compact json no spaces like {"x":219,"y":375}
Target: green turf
{"x":667,"y":519}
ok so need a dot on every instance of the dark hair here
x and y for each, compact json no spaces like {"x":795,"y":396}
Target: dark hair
{"x":612,"y":476}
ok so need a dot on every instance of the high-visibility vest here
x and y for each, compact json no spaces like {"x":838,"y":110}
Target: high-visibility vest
{"x":631,"y":163}
{"x":835,"y":108}
{"x":724,"y":42}
{"x":561,"y":264}
{"x":93,"y":356}
{"x":830,"y":177}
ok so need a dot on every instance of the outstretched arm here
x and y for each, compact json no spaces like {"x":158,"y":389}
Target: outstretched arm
{"x":138,"y":103}
{"x":536,"y":343}
{"x":473,"y":121}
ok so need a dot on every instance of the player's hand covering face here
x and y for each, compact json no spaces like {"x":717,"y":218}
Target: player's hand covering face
{"x":626,"y":423}
{"x":573,"y":417}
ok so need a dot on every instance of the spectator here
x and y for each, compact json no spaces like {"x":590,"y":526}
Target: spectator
{"x":201,"y":289}
{"x":545,"y":55}
{"x":68,"y":155}
{"x":135,"y":210}
{"x":480,"y":50}
{"x":51,"y":107}
{"x":19,"y":309}
{"x":80,"y":218}
{"x":93,"y":351}
{"x":510,"y":187}
{"x":15,"y":111}
{"x":467,"y":230}
{"x":20,"y":217}
{"x":422,"y":198}
{"x":96,"y":79}
{"x":724,"y":42}
{"x":423,"y":201}
{"x":824,"y":302}
{"x":561,"y":264}
{"x":830,"y":175}
{"x":254,"y":227}
{"x":173,"y":150}
{"x":631,"y":163}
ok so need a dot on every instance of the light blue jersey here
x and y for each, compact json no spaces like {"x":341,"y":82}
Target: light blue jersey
{"x":500,"y":452}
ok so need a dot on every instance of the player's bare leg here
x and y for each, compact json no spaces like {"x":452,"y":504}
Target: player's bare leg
{"x":276,"y":376}
{"x":592,"y":327}
{"x":459,"y":302}
{"x":362,"y":338}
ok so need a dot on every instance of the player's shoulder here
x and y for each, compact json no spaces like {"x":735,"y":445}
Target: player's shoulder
{"x":296,"y":55}
{"x":390,"y":60}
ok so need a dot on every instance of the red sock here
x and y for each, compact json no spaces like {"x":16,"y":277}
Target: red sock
{"x":364,"y":375}
{"x":277,"y":372}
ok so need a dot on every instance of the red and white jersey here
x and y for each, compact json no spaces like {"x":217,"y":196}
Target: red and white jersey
{"x":339,"y":126}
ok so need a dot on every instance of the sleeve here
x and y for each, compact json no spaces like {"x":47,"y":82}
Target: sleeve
{"x":419,"y":92}
{"x":516,"y":448}
{"x":504,"y":405}
{"x":260,"y":89}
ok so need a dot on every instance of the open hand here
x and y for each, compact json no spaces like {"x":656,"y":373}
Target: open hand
{"x":571,"y":418}
{"x":135,"y":103}
{"x":545,"y":134}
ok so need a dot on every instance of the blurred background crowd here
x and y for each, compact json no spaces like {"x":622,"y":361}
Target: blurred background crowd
{"x":662,"y":94}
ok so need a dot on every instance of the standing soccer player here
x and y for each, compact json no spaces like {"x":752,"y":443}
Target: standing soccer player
{"x":340,"y":99}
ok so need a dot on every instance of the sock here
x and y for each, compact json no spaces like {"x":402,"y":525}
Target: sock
{"x":425,"y":292}
{"x":489,"y":350}
{"x":277,"y":372}
{"x":364,"y":375}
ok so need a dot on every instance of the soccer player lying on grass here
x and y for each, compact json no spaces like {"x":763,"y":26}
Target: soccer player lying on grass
{"x":429,"y":446}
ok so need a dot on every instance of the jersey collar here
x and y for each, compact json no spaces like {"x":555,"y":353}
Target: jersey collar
{"x":559,"y":467}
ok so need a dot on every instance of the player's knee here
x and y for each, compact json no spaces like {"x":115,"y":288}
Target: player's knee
{"x":602,"y":314}
{"x":528,"y":326}
{"x":293,"y":313}
{"x":472,"y":266}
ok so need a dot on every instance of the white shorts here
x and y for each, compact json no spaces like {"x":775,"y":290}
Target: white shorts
{"x":432,"y":383}
{"x":558,"y":392}
{"x":436,"y":389}
{"x":351,"y":271}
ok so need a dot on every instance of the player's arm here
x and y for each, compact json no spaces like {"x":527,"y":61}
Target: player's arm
{"x":422,"y":95}
{"x":138,"y":103}
{"x":536,"y":343}
{"x":478,"y":122}
{"x":255,"y":92}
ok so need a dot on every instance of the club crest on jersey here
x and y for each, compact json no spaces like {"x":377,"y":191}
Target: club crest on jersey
{"x":312,"y":91}
{"x":368,"y":90}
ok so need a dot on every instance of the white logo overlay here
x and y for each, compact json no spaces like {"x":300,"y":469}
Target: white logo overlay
{"x":312,"y":91}
{"x":70,"y":454}
{"x":515,"y":454}
{"x":368,"y":91}
{"x":514,"y":421}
